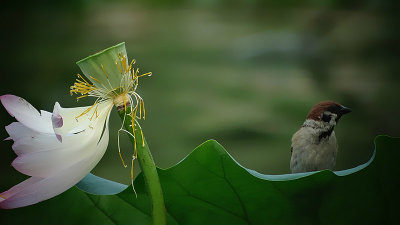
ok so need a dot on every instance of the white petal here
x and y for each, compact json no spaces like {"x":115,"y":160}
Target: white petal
{"x":68,"y":121}
{"x":17,"y":130}
{"x":27,"y":140}
{"x":39,"y":143}
{"x":74,"y":147}
{"x":34,"y":190}
{"x":26,"y":113}
{"x":46,"y":163}
{"x":54,"y":166}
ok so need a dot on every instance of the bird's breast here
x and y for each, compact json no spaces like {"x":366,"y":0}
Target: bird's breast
{"x":310,"y":154}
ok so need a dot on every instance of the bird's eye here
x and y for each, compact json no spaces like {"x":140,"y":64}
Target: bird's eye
{"x":326,"y":118}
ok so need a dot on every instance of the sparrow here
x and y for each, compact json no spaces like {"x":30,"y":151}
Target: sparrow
{"x":314,"y":145}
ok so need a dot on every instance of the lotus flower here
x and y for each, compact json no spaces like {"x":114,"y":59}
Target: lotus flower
{"x":58,"y":149}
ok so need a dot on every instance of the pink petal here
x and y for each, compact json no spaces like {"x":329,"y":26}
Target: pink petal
{"x":62,"y":165}
{"x":34,"y":190}
{"x":20,"y":186}
{"x":59,"y":137}
{"x":26,"y":113}
{"x":56,"y":118}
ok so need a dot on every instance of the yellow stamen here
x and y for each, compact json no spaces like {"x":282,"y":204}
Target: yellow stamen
{"x":82,"y":78}
{"x":119,"y":67}
{"x":141,"y":132}
{"x":124,"y":104}
{"x":133,"y":188}
{"x":132,"y":168}
{"x":81,"y":96}
{"x":135,"y":149}
{"x":133,"y":129}
{"x":124,"y":62}
{"x":96,"y":80}
{"x":123,"y":163}
{"x":134,"y":118}
{"x":2,"y":196}
{"x":87,"y":110}
{"x":140,"y":109}
{"x":82,"y":87}
{"x":121,"y":59}
{"x":95,"y":112}
{"x":146,"y":74}
{"x":130,"y":65}
{"x":121,"y":95}
{"x":144,"y":111}
{"x":136,"y":73}
{"x":102,"y":67}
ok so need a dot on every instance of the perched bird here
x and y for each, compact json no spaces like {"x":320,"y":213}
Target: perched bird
{"x":314,"y":146}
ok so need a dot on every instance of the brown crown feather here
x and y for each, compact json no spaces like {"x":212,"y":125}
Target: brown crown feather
{"x":317,"y":110}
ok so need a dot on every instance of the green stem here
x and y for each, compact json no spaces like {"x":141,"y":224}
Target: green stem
{"x":149,"y":171}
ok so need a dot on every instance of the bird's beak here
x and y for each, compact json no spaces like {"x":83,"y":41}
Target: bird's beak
{"x":344,"y":110}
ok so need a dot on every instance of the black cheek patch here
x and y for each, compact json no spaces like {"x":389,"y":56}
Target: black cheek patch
{"x":325,"y":134}
{"x":326,"y":118}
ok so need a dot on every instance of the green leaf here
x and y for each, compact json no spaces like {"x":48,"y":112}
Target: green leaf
{"x":209,"y":187}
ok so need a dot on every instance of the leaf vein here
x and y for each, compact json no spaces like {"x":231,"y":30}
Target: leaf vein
{"x":100,"y":209}
{"x":205,"y":201}
{"x":246,"y":216}
{"x":142,"y":211}
{"x":133,"y":206}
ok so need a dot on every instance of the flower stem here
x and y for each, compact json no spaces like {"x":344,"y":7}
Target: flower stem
{"x":149,"y":171}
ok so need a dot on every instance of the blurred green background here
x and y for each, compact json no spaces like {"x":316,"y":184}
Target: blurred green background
{"x":244,"y":73}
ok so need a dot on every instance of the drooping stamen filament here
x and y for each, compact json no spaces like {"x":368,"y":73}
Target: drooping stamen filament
{"x":122,"y":96}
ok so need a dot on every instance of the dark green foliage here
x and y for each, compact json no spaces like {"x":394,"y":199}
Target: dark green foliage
{"x":209,"y":187}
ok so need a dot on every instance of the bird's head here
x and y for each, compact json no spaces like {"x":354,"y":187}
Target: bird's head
{"x":327,"y":112}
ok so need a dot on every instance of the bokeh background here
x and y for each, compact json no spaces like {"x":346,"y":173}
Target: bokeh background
{"x":244,"y":73}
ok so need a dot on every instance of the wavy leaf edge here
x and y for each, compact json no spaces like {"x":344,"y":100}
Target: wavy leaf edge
{"x":96,"y":185}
